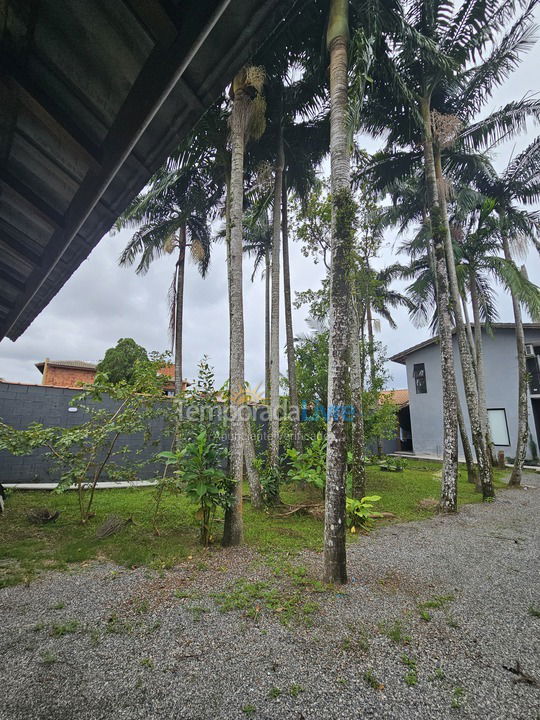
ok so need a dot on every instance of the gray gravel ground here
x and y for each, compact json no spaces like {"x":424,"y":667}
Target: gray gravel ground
{"x":139,"y":650}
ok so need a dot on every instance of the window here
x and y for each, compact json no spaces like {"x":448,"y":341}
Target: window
{"x":419,"y":374}
{"x":498,"y":426}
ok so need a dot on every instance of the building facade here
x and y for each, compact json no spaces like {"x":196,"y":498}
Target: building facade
{"x":424,"y":381}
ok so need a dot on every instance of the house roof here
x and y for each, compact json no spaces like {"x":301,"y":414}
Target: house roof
{"x":94,"y":97}
{"x":71,"y":364}
{"x":402,"y":356}
{"x":398,"y":397}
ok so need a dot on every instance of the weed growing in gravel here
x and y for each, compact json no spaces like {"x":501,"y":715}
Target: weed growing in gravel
{"x":39,"y":626}
{"x":48,"y":657}
{"x":534,"y":611}
{"x":58,"y":606}
{"x":411,"y":676}
{"x":95,"y":637}
{"x":394,"y":631}
{"x":451,"y":621}
{"x":274,"y":693}
{"x":116,"y":626}
{"x":197,"y":611}
{"x":357,"y":642}
{"x":372,"y":680}
{"x":425,"y":616}
{"x":249,"y":710}
{"x":438,"y":602}
{"x":185,"y":595}
{"x":67,"y":628}
{"x":254,"y":597}
{"x":147,"y":663}
{"x":295,"y":690}
{"x":458,"y":698}
{"x":141,"y":607}
{"x":439,"y":674}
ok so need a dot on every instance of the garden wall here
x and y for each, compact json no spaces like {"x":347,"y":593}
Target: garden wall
{"x":21,"y":405}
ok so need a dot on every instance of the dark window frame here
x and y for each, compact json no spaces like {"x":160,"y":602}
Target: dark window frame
{"x":508,"y":444}
{"x":420,"y":380}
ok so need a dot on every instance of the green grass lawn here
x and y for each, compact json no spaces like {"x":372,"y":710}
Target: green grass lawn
{"x":26,"y":549}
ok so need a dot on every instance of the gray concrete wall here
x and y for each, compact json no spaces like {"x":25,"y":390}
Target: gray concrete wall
{"x":501,"y":389}
{"x":21,"y":405}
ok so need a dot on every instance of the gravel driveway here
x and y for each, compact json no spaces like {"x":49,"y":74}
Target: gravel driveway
{"x":438,"y":621}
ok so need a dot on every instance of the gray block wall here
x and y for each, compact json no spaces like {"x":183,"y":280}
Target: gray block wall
{"x":21,"y":405}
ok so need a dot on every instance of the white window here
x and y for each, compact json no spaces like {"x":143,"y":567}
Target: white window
{"x":498,"y":426}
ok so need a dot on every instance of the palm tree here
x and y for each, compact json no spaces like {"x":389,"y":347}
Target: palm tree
{"x":343,"y":219}
{"x":517,"y":185}
{"x":173,"y":215}
{"x":246,"y":121}
{"x":423,"y":93}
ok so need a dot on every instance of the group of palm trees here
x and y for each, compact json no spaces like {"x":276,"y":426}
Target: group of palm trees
{"x":419,"y":75}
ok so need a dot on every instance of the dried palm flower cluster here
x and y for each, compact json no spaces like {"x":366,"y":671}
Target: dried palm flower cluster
{"x":170,"y":244}
{"x":197,"y":250}
{"x":250,"y":104}
{"x":445,"y":128}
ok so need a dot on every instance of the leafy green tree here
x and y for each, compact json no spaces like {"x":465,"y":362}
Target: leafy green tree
{"x":120,"y":361}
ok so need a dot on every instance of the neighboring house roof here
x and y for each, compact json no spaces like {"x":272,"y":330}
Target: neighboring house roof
{"x":95,"y":96}
{"x":398,"y":397}
{"x":401,"y":357}
{"x":71,"y":364}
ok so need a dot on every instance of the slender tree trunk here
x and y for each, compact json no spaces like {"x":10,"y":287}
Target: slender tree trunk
{"x":472,"y":474}
{"x":343,"y":218}
{"x":480,"y":369}
{"x":448,"y":502}
{"x":358,"y":468}
{"x":371,"y":344}
{"x":469,"y":380}
{"x":372,"y":363}
{"x":233,"y":529}
{"x":255,"y":487}
{"x":294,"y":408}
{"x":267,"y":265}
{"x":274,"y":322}
{"x":523,"y":419}
{"x":179,"y":312}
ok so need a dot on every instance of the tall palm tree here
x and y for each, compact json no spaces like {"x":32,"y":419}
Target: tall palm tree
{"x":422,"y":95}
{"x":518,"y":185}
{"x":173,"y":215}
{"x":343,"y":219}
{"x":247,"y":120}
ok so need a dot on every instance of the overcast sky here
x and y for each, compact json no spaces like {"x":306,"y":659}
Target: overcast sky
{"x":103,"y":302}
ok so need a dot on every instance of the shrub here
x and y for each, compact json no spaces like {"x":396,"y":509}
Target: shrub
{"x":198,"y":474}
{"x":359,"y":512}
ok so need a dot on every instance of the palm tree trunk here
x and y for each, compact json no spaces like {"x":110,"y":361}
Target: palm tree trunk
{"x":233,"y":529}
{"x":448,"y":502}
{"x":469,"y":381}
{"x":179,"y":311}
{"x":372,"y":364}
{"x":267,"y":272}
{"x":343,"y":216}
{"x":371,"y":343}
{"x":294,"y":409}
{"x":523,"y":420}
{"x":255,"y":488}
{"x":358,"y":468}
{"x":480,"y":369}
{"x":472,"y":475}
{"x":274,"y":321}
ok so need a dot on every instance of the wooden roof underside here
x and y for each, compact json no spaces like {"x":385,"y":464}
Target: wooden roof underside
{"x":79,"y":81}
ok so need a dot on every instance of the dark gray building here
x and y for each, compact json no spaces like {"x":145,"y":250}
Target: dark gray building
{"x":425,"y":389}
